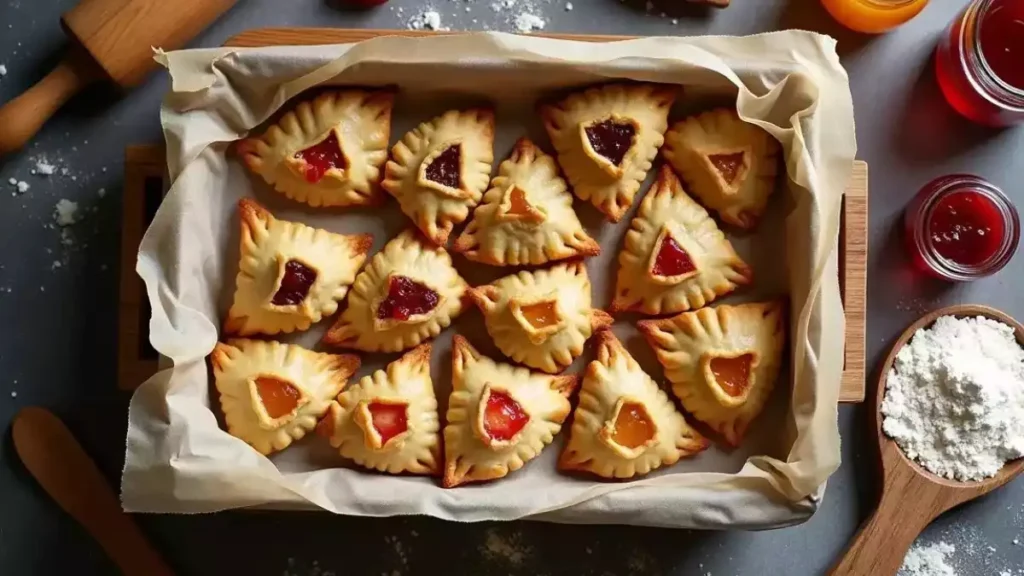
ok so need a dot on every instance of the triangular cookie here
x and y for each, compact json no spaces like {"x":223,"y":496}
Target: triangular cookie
{"x":674,"y":258}
{"x":526,"y":217}
{"x":624,"y":425}
{"x":408,"y":293}
{"x":499,"y":416}
{"x":440,"y":169}
{"x":273,"y":393}
{"x":388,"y":421}
{"x":290,"y":275}
{"x":607,"y":137}
{"x":728,"y":163}
{"x":541,"y":318}
{"x":328,"y":151}
{"x":722,"y":361}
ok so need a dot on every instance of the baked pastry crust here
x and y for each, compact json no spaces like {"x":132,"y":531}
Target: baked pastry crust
{"x":295,"y":378}
{"x":615,"y":384}
{"x":637,"y":114}
{"x":436,"y":207}
{"x":412,"y":446}
{"x":358,"y":121}
{"x":670,"y":220}
{"x":541,"y":318}
{"x":472,"y":452}
{"x":752,"y":335}
{"x":526,"y":217}
{"x":407,"y":256}
{"x":729,"y":164}
{"x":272,"y":252}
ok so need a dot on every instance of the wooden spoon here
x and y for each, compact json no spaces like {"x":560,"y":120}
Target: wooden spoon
{"x":911,"y":496}
{"x":66,"y":472}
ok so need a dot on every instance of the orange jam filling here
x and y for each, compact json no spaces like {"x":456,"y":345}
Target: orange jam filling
{"x":733,"y":374}
{"x":503,"y":416}
{"x":325,"y":427}
{"x":633,"y":426}
{"x":389,"y":420}
{"x":518,"y":206}
{"x":672,"y":260}
{"x":728,"y":165}
{"x":540,"y":315}
{"x":322,"y":157}
{"x":278,"y":396}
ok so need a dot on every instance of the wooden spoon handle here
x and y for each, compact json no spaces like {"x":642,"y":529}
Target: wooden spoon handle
{"x":882,"y":542}
{"x":22,"y":117}
{"x":66,"y":472}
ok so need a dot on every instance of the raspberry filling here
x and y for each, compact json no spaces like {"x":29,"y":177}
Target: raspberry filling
{"x":728,"y":165}
{"x":278,"y":396}
{"x":295,"y":284}
{"x":733,"y":374}
{"x":540,"y":315}
{"x":672,"y":260}
{"x":445,"y":169}
{"x":611,"y":139}
{"x":389,"y":420}
{"x":406,"y":297}
{"x":503,"y":416}
{"x":633,"y":426}
{"x":322,"y":157}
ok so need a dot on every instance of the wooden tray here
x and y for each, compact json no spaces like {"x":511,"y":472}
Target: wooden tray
{"x":144,"y":174}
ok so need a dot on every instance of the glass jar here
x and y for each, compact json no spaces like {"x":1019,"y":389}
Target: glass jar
{"x":873,"y":16}
{"x":980,"y":62}
{"x":961,"y":227}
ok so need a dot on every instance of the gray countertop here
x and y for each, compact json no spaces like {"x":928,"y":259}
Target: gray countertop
{"x":58,"y":301}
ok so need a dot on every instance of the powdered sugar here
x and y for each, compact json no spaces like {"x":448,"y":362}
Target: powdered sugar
{"x":954,"y":400}
{"x":928,"y":560}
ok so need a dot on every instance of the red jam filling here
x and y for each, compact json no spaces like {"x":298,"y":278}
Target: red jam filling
{"x":503,"y":416}
{"x":728,"y":165}
{"x":517,"y":204}
{"x":278,"y":396}
{"x":322,"y":157}
{"x":406,"y":298}
{"x":732,"y":374}
{"x":633,"y":426}
{"x":672,"y":260}
{"x":446,"y":167}
{"x":966,"y":228}
{"x":295,"y":284}
{"x":611,"y":139}
{"x":389,"y":420}
{"x":1002,"y":41}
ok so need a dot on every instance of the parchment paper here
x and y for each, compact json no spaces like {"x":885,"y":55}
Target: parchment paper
{"x":791,"y":83}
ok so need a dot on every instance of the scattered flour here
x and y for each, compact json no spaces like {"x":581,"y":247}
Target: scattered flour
{"x":65,"y":212}
{"x":43,"y":168}
{"x":954,"y":400}
{"x":526,"y":22}
{"x":427,"y":20}
{"x":510,"y":549}
{"x":23,"y":187}
{"x":3,"y":70}
{"x":928,"y":560}
{"x":568,"y":6}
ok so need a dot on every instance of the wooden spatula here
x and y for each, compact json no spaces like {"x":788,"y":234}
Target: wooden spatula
{"x":110,"y":40}
{"x":911,"y":496}
{"x":66,"y":472}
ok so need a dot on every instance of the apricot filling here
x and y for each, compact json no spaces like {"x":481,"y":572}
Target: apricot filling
{"x":633,"y":426}
{"x":406,"y":297}
{"x":389,"y":420}
{"x":445,"y":168}
{"x":278,"y":396}
{"x":672,"y":260}
{"x":518,"y":206}
{"x":611,"y":139}
{"x":503,"y":416}
{"x":295,"y":284}
{"x":728,"y":165}
{"x":541,"y":315}
{"x":322,"y":157}
{"x":733,"y":374}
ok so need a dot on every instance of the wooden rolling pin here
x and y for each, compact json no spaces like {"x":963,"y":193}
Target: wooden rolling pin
{"x":110,"y":40}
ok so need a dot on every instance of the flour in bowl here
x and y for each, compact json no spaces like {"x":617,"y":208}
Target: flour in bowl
{"x":954,"y":399}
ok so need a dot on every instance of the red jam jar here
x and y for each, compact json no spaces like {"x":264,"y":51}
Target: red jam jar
{"x":980,"y":62}
{"x":960,"y":227}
